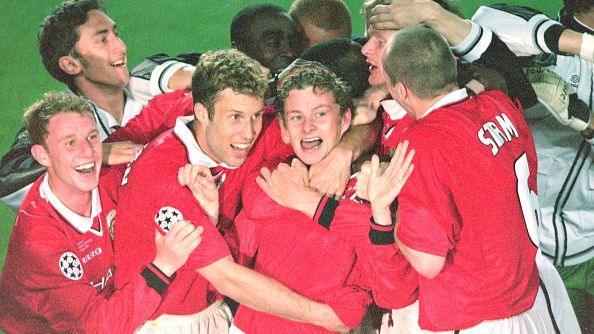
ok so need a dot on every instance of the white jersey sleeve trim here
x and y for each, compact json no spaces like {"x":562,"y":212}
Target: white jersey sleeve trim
{"x":161,"y":75}
{"x":474,"y":44}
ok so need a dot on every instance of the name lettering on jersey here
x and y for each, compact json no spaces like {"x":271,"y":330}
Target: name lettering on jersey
{"x":129,"y":166}
{"x":103,"y":282}
{"x":496,"y":134}
{"x":92,"y":254}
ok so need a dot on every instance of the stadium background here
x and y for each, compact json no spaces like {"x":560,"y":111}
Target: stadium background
{"x":147,"y":27}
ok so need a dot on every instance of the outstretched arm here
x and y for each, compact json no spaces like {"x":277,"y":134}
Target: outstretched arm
{"x":267,"y":295}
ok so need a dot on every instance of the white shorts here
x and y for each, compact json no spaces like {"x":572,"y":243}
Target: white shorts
{"x":235,"y":330}
{"x":214,"y":319}
{"x":533,"y":321}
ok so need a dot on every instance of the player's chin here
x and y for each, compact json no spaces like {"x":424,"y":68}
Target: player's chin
{"x":376,"y":79}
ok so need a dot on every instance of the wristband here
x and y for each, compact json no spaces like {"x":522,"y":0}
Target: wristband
{"x":587,"y":48}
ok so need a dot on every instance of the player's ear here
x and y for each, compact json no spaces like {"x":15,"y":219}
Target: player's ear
{"x":346,"y":120}
{"x":200,"y":112}
{"x":401,"y":91}
{"x":40,"y":154}
{"x":70,"y":65}
{"x":284,"y":132}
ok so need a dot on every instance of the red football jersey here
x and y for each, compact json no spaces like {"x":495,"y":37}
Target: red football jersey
{"x":304,"y":256}
{"x":166,"y":201}
{"x":58,"y":274}
{"x":468,"y":200}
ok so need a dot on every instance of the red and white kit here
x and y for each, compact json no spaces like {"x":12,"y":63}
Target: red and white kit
{"x":59,"y":270}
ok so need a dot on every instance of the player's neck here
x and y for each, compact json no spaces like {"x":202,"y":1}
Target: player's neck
{"x":74,"y":200}
{"x":108,"y":98}
{"x":424,"y":106}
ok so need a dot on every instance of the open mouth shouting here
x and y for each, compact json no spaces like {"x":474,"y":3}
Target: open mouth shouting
{"x":308,"y":144}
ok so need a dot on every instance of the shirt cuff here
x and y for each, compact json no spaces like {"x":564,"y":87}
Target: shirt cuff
{"x":539,"y":25}
{"x":381,"y":234}
{"x":474,"y":44}
{"x":155,"y":278}
{"x":161,"y":76}
{"x":325,"y":211}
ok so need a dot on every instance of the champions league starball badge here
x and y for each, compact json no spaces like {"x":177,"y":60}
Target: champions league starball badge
{"x":167,"y":216}
{"x":70,"y":266}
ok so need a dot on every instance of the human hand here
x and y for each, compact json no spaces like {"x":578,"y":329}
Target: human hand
{"x":331,"y":174}
{"x":174,"y":248}
{"x":201,"y":183}
{"x":366,"y":107}
{"x":363,"y":178}
{"x":119,"y":152}
{"x":289,"y":187}
{"x":383,"y":188}
{"x":559,"y":98}
{"x":400,"y":14}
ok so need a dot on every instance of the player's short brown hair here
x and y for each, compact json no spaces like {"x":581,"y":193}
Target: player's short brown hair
{"x":38,"y":115}
{"x":324,"y":14}
{"x":218,"y":70}
{"x":58,"y":35}
{"x":421,"y":59}
{"x":322,"y":80}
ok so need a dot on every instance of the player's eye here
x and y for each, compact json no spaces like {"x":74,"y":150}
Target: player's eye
{"x":93,"y":138}
{"x":257,"y":115}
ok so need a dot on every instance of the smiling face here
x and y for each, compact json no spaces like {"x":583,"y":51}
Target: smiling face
{"x":100,"y":55}
{"x":235,"y":125}
{"x":72,"y":154}
{"x":312,"y":123}
{"x":373,"y":50}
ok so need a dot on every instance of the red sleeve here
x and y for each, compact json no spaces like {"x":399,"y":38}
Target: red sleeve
{"x":425,"y":208}
{"x":75,"y":305}
{"x":159,"y":115}
{"x":345,"y":218}
{"x":386,"y":272}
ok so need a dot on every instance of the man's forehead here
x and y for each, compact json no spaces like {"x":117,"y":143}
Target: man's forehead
{"x":96,"y":21}
{"x":232,"y":100}
{"x":67,"y":124}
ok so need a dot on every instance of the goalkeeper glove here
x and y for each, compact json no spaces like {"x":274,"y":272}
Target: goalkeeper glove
{"x":559,"y":98}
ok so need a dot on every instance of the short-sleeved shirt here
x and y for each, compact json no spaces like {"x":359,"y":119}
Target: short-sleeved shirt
{"x":468,"y":200}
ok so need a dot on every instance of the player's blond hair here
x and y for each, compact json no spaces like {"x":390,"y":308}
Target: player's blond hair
{"x":38,"y":115}
{"x":223,"y":69}
{"x":426,"y":51}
